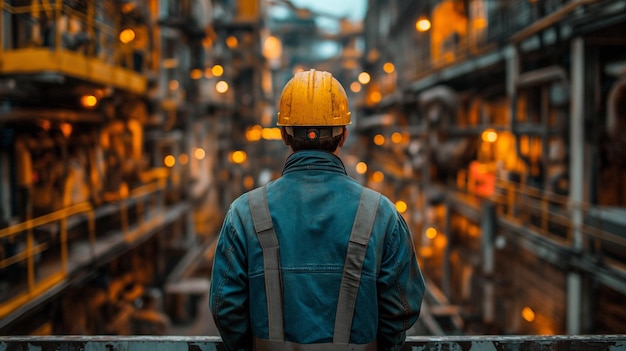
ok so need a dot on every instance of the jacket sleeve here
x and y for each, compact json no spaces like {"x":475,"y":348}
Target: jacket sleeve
{"x":400,"y":288}
{"x":228,"y":297}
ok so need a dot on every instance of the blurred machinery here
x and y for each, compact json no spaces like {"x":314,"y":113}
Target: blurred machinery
{"x":115,"y":130}
{"x":508,"y":151}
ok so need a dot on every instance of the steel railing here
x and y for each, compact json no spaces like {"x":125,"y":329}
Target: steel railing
{"x":79,"y":40}
{"x":553,"y":215}
{"x":492,"y":25}
{"x":56,"y":242}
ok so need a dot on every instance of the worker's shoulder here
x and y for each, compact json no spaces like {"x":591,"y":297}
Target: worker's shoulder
{"x":242,"y":202}
{"x":384,"y":203}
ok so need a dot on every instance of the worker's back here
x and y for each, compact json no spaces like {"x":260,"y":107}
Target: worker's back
{"x":313,"y":206}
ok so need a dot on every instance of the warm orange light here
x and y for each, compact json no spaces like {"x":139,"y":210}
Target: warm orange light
{"x":221,"y":87}
{"x":401,"y":206}
{"x":169,"y":161}
{"x":183,"y":159}
{"x":127,"y":35}
{"x":473,"y":231}
{"x":378,"y":176}
{"x":426,"y":251}
{"x":271,"y":134}
{"x":217,"y":70}
{"x":480,"y":23}
{"x":254,"y":133}
{"x":170,"y":63}
{"x":361,"y":167}
{"x":431,"y":233}
{"x":373,"y":55}
{"x":66,"y":129}
{"x":44,"y":124}
{"x":124,"y":191}
{"x":379,"y":139}
{"x":422,"y":25}
{"x":173,"y":85}
{"x":440,"y":242}
{"x":389,"y":67}
{"x":232,"y":41}
{"x":364,"y":78}
{"x":207,"y":42}
{"x":375,"y":97}
{"x":248,"y":182}
{"x":396,"y":138}
{"x":272,"y":48}
{"x":238,"y":157}
{"x":88,"y":101}
{"x":195,"y":73}
{"x":355,"y":87}
{"x":489,"y":136}
{"x":199,"y":153}
{"x":127,"y":7}
{"x":528,"y":314}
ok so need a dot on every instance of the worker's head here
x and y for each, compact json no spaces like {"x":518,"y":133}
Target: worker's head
{"x":313,"y":112}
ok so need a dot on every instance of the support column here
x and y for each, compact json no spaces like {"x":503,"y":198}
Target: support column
{"x":576,"y":175}
{"x":446,"y":285}
{"x":5,"y":186}
{"x":488,"y":234}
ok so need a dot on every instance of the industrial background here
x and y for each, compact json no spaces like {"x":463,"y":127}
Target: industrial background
{"x":498,"y":127}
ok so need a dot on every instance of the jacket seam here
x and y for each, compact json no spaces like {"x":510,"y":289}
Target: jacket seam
{"x":401,"y":292}
{"x":223,"y":278}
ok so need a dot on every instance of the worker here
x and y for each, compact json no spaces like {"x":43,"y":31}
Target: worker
{"x":313,"y":260}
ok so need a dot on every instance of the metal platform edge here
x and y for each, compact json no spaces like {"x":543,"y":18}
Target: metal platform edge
{"x":205,"y":343}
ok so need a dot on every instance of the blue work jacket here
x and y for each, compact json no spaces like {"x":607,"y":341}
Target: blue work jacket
{"x":313,"y":205}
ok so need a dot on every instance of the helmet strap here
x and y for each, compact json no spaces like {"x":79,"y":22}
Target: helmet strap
{"x":337,"y":131}
{"x":314,"y":133}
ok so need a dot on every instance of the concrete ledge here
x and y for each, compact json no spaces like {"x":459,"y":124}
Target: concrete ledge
{"x":209,"y":343}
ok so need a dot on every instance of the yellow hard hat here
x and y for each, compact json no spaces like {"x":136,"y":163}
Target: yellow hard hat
{"x":313,"y":98}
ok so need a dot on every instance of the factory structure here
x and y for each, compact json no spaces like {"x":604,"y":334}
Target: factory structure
{"x":497,"y":128}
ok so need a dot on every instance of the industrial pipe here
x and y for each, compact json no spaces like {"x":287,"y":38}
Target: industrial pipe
{"x":612,"y":117}
{"x":550,"y":19}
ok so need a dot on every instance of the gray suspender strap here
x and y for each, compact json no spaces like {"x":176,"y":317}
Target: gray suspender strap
{"x":361,"y":231}
{"x":357,"y":247}
{"x":267,"y":345}
{"x":271,"y":261}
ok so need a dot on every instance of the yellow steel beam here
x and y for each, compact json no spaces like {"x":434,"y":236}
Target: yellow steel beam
{"x":34,"y":7}
{"x":22,"y":256}
{"x":64,"y":244}
{"x":45,"y":219}
{"x":19,"y":300}
{"x":1,"y":26}
{"x":146,"y":227}
{"x":57,"y":33}
{"x":30,"y":260}
{"x":37,"y":60}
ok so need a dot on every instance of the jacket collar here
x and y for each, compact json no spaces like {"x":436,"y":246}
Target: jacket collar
{"x":313,"y":160}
